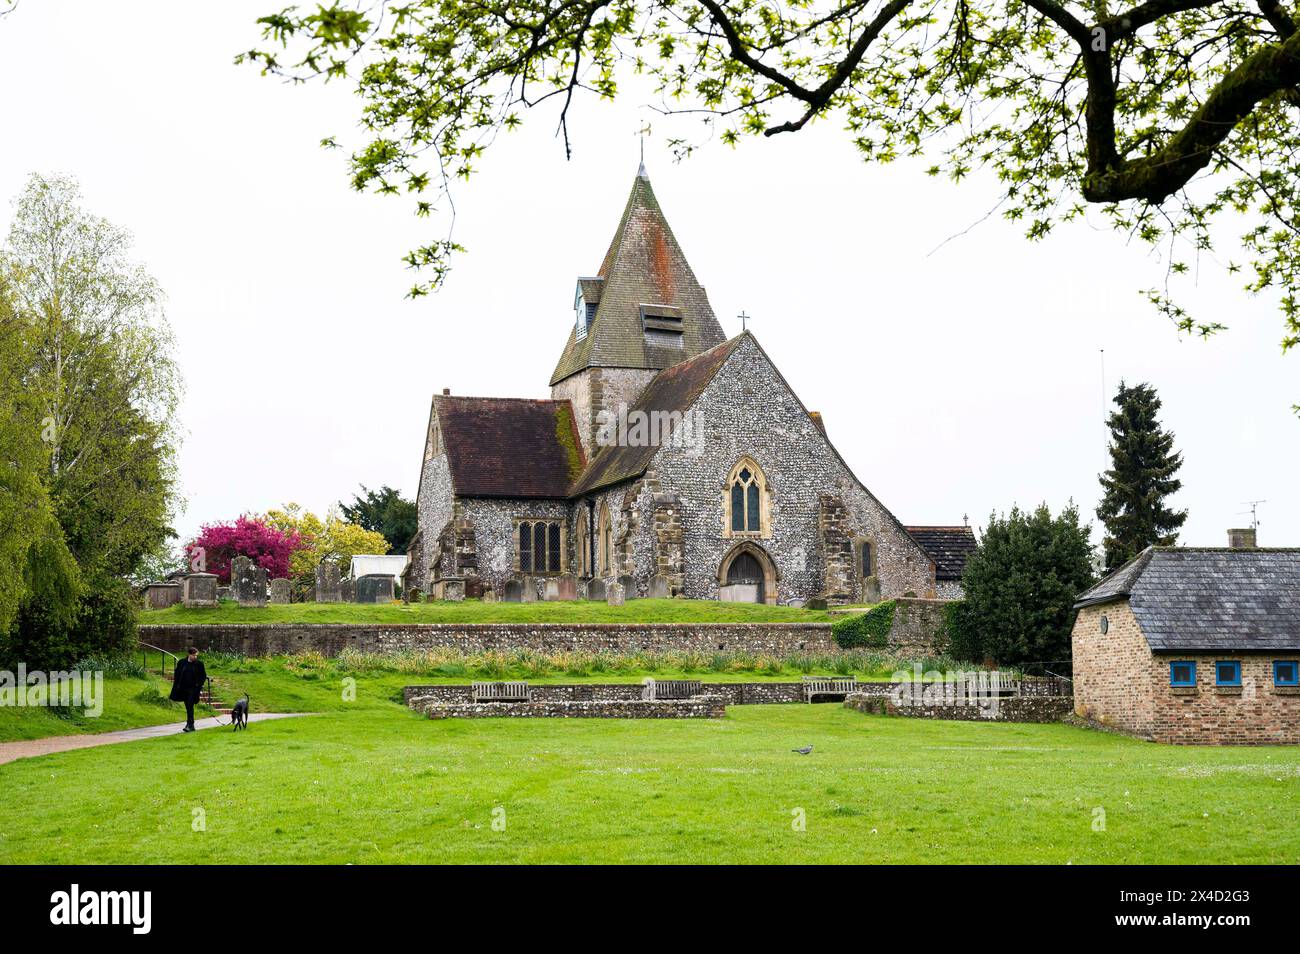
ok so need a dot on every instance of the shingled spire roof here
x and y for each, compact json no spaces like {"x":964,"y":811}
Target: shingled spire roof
{"x":652,"y":312}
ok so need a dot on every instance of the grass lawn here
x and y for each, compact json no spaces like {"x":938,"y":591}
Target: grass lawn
{"x":476,"y":611}
{"x":129,"y":702}
{"x":378,"y":784}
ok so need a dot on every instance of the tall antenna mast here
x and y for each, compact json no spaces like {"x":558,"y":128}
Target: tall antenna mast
{"x":1253,"y":511}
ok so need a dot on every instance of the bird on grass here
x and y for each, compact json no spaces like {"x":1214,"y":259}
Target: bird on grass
{"x":804,"y":751}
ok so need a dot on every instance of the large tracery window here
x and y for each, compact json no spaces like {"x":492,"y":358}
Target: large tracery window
{"x":746,"y":502}
{"x":541,"y":546}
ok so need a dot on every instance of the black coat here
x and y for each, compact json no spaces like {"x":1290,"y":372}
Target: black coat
{"x":188,"y":680}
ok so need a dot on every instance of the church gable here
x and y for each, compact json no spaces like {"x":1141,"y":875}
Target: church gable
{"x":761,"y":472}
{"x":644,"y":308}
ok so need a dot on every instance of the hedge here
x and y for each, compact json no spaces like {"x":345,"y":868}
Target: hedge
{"x":868,"y":630}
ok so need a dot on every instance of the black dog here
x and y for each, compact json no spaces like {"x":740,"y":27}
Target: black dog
{"x":239,"y":714}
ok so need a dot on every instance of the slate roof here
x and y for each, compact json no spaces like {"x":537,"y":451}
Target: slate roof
{"x":1210,"y":600}
{"x":948,"y":547}
{"x":673,"y":389}
{"x":509,"y":447}
{"x":643,"y":266}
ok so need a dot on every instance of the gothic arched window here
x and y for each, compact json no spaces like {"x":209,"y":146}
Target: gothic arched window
{"x":584,"y":542}
{"x":605,"y":544}
{"x":746,"y":505}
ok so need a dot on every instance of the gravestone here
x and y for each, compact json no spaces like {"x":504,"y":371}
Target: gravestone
{"x":375,"y":588}
{"x":162,"y":595}
{"x":327,"y":582}
{"x":659,"y":588}
{"x":247,"y":582}
{"x":562,"y":588}
{"x":223,"y":593}
{"x":530,"y":590}
{"x":596,"y":589}
{"x":870,"y":589}
{"x":514,"y":591}
{"x":738,"y":593}
{"x":797,"y":604}
{"x":489,"y":595}
{"x":453,"y":590}
{"x":280,"y":590}
{"x":199,"y":589}
{"x":629,"y":586}
{"x":348,"y":590}
{"x":580,"y":590}
{"x":614,"y":594}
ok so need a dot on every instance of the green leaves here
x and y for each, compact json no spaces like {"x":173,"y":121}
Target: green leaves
{"x":973,"y":84}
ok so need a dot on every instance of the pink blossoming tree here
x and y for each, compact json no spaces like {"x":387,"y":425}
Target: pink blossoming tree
{"x":217,"y":544}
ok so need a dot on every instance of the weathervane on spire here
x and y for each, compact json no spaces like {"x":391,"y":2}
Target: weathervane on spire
{"x":643,"y":132}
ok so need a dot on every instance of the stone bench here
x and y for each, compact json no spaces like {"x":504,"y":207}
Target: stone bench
{"x":501,"y":692}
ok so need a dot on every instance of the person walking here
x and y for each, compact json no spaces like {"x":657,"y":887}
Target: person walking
{"x":187,"y":683}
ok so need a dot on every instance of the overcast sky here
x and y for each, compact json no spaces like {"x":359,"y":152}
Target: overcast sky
{"x":955,"y":378}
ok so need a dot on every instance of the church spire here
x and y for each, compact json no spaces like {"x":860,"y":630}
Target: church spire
{"x":644,"y":308}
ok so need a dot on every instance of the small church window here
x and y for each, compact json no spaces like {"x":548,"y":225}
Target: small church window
{"x":526,"y":547}
{"x":553,"y":546}
{"x":539,"y":546}
{"x":866,"y":558}
{"x":737,"y":506}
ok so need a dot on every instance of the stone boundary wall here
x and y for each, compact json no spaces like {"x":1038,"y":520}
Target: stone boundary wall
{"x":701,"y":707}
{"x":329,"y":639}
{"x":732,"y":693}
{"x":1012,"y":709}
{"x":918,"y":627}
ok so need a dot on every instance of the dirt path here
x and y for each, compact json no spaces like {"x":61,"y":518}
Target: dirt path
{"x":28,"y":748}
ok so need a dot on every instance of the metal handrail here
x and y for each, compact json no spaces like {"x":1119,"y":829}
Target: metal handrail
{"x":144,"y":656}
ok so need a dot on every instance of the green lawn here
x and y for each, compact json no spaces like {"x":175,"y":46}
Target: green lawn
{"x":129,"y":702}
{"x":476,"y":611}
{"x":378,"y":784}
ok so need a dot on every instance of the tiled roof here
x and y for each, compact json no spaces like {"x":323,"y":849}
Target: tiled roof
{"x":673,"y":389}
{"x":644,"y":266}
{"x":1210,"y":600}
{"x":948,"y":547}
{"x":509,"y":447}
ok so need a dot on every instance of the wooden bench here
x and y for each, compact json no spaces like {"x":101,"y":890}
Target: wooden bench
{"x":828,"y":686}
{"x":502,"y":692}
{"x":654,"y":690}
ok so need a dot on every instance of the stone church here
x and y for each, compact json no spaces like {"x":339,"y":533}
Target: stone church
{"x":669,"y":459}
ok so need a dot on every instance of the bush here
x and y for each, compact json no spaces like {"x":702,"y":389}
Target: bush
{"x":102,"y":623}
{"x":1021,"y":584}
{"x":865,"y":630}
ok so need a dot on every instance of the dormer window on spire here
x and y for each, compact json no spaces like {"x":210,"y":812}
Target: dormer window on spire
{"x":585,"y":299}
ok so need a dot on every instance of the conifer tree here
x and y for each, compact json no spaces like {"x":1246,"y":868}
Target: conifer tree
{"x":1140,"y":479}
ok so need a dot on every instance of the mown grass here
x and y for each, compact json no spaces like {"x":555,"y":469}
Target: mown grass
{"x":476,"y":611}
{"x":381,"y":785}
{"x":129,"y":702}
{"x":311,"y":682}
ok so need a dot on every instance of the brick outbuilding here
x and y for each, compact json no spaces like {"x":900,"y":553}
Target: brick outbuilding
{"x":1194,"y":646}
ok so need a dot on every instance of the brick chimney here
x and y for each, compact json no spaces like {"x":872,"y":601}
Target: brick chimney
{"x":1242,"y":538}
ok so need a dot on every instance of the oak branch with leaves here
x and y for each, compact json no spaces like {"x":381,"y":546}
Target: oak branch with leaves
{"x":1169,"y":115}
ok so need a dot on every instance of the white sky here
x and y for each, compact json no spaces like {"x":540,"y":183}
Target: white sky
{"x":954,"y":381}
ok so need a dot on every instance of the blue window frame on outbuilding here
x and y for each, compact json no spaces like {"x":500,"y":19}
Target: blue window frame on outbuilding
{"x":1286,"y":672}
{"x":1182,"y":672}
{"x":1227,"y":672}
